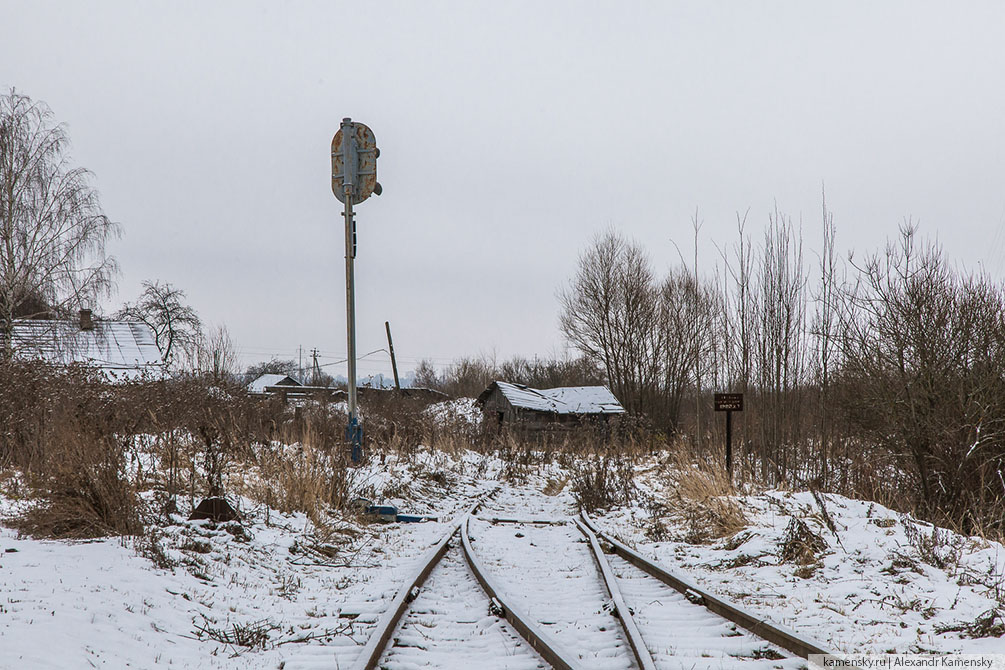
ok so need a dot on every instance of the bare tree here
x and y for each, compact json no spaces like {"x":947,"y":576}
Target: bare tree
{"x":649,"y":336}
{"x":922,"y":354}
{"x":216,"y":356}
{"x":609,"y":311}
{"x":52,"y":229}
{"x":764,"y":298}
{"x":467,"y":377}
{"x":686,"y":331}
{"x":824,"y":332}
{"x":546,"y":373}
{"x":426,"y":376}
{"x":742,"y":272}
{"x":781,"y":343}
{"x":696,"y":224}
{"x":735,"y":325}
{"x":176,"y":325}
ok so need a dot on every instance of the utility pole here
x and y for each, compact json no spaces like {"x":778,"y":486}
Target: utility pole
{"x":354,"y":178}
{"x":394,"y":363}
{"x":316,"y":381}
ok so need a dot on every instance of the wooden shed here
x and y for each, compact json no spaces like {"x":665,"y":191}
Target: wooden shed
{"x":517,"y":406}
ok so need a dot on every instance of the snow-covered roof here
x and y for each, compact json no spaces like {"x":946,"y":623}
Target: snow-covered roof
{"x":258,"y":386}
{"x":121,"y":349}
{"x":561,"y":400}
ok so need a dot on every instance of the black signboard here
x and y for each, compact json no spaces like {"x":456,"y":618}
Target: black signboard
{"x":728,"y":402}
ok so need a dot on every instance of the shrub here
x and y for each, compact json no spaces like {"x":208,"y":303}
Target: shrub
{"x":602,"y":482}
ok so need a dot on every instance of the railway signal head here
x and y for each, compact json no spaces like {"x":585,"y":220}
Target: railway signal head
{"x":354,"y":162}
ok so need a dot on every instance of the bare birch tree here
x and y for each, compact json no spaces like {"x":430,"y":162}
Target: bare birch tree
{"x":52,"y":229}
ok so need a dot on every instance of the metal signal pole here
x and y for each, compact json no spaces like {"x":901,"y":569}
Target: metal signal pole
{"x":354,"y":179}
{"x":349,"y":159}
{"x":350,"y":296}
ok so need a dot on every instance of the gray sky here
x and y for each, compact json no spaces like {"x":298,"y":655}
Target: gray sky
{"x":510,"y":134}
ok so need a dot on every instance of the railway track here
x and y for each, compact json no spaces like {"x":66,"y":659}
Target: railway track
{"x":452,"y":623}
{"x":498,"y":592}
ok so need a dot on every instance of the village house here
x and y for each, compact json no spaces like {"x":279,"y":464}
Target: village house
{"x":524,"y":408}
{"x":287,"y":388}
{"x":122,"y":350}
{"x":260,"y":386}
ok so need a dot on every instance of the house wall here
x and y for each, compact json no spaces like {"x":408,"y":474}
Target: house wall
{"x":497,"y":412}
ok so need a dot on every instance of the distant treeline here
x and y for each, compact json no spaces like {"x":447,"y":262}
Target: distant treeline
{"x":881,"y":376}
{"x":467,"y":377}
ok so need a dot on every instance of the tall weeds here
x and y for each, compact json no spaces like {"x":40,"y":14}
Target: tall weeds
{"x":304,"y":471}
{"x":59,"y":429}
{"x":699,"y":491}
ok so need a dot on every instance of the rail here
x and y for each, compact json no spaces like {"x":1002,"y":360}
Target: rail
{"x":624,"y":613}
{"x":389,"y":620}
{"x":774,"y":633}
{"x":536,"y":638}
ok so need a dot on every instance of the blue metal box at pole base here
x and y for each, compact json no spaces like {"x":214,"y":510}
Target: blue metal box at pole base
{"x":383,"y":512}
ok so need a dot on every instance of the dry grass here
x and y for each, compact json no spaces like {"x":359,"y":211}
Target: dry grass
{"x":80,"y":442}
{"x":701,"y":494}
{"x":800,"y":544}
{"x":60,"y":430}
{"x":555,"y":486}
{"x":306,"y":470}
{"x":83,"y":492}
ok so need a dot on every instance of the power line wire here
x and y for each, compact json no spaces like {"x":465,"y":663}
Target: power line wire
{"x":358,"y":358}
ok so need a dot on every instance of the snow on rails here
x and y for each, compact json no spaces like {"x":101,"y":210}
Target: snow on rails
{"x":543,"y":581}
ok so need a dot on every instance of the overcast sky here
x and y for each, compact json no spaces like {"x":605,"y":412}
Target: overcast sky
{"x":511,"y":133}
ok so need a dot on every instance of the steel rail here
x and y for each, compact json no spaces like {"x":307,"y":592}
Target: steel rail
{"x":774,"y":633}
{"x":624,"y":614}
{"x":536,"y":638}
{"x":368,"y":657}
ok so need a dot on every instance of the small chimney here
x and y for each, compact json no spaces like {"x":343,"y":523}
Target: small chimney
{"x":86,"y":322}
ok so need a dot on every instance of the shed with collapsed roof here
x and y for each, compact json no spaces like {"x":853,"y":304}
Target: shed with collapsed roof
{"x":505,"y":404}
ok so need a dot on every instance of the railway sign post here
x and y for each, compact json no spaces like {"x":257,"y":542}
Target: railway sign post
{"x":354,"y":179}
{"x":729,"y":403}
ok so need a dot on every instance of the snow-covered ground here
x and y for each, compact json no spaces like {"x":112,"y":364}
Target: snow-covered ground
{"x":272,"y":590}
{"x":884,"y":582}
{"x":461,"y":410}
{"x":275,"y":591}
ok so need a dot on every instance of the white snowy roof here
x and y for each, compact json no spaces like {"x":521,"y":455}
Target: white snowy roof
{"x":561,"y":400}
{"x":121,"y":349}
{"x":258,"y":386}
